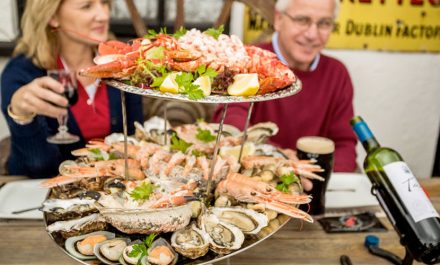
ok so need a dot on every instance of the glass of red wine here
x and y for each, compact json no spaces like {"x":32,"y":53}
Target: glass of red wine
{"x":68,"y":80}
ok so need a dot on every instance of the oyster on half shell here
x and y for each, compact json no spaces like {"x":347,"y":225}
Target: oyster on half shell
{"x":223,"y":237}
{"x":190,"y":241}
{"x":248,"y":220}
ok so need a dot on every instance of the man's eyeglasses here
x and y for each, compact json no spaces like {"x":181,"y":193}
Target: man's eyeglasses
{"x":324,"y":25}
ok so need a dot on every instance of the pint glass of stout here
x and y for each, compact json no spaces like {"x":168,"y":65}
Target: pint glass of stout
{"x":321,"y":150}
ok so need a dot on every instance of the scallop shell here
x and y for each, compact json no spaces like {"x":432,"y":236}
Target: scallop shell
{"x":190,"y":241}
{"x":71,"y":242}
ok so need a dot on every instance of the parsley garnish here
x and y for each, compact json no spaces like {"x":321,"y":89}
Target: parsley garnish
{"x":179,"y":144}
{"x":186,"y":86}
{"x":215,"y":32}
{"x":141,"y":250}
{"x":180,"y":32}
{"x":286,"y":180}
{"x":205,"y":135}
{"x":203,"y":71}
{"x":151,"y":33}
{"x":143,"y":191}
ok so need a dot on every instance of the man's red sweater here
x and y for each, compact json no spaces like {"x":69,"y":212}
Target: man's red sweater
{"x":322,"y":108}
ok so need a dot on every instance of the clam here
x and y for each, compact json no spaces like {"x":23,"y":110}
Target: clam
{"x":161,"y":253}
{"x":111,"y":250}
{"x":223,"y":237}
{"x":190,"y":241}
{"x":82,"y":246}
{"x":249,"y":221}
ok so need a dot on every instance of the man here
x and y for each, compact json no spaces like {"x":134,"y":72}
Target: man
{"x":324,"y":105}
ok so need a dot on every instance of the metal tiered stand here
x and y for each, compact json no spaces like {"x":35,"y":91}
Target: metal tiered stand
{"x":276,"y":223}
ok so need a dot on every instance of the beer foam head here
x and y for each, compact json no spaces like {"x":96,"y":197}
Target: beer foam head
{"x":316,"y":145}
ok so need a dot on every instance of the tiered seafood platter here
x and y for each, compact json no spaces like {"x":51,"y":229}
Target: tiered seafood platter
{"x":190,"y":194}
{"x":91,"y":205}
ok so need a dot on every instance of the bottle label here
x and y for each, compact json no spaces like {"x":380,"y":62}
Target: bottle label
{"x":410,"y":192}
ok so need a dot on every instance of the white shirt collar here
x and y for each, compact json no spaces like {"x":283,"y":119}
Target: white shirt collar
{"x":277,"y":50}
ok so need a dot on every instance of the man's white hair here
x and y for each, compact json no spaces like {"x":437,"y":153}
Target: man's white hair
{"x":282,"y":6}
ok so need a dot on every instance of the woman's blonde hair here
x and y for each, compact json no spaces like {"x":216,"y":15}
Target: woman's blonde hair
{"x":39,"y":40}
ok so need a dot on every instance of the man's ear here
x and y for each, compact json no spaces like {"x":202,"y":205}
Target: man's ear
{"x":277,"y":20}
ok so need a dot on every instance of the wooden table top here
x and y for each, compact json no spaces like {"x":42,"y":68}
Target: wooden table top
{"x":27,"y":242}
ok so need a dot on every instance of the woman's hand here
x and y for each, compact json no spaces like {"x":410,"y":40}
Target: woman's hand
{"x":42,"y":96}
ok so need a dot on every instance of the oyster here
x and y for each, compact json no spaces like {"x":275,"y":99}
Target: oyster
{"x":64,"y":209}
{"x":249,"y":221}
{"x":227,"y":130}
{"x":223,"y":237}
{"x":119,"y":137}
{"x":110,"y":251}
{"x":190,"y":241}
{"x":152,"y":130}
{"x":260,"y":132}
{"x":146,"y":221}
{"x":82,"y":246}
{"x":161,"y":253}
{"x":76,"y":227}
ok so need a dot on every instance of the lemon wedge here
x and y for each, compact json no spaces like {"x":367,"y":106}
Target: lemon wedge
{"x":169,"y":84}
{"x":244,"y":85}
{"x":204,"y":83}
{"x":248,"y":149}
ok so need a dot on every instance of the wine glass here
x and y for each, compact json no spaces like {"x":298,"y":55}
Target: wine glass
{"x":68,"y":80}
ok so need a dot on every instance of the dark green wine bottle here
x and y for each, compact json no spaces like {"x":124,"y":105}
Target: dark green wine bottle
{"x":399,"y":193}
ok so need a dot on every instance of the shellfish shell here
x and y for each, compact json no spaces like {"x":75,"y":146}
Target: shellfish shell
{"x":72,"y":248}
{"x":249,"y":221}
{"x":191,"y":242}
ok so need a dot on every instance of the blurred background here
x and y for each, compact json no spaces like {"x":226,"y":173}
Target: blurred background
{"x":396,"y":78}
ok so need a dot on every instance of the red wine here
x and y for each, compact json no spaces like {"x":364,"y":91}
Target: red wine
{"x":71,"y":93}
{"x":407,"y":206}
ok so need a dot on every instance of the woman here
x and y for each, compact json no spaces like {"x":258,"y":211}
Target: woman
{"x":58,"y":34}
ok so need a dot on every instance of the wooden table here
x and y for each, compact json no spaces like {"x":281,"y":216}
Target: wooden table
{"x":26,"y":242}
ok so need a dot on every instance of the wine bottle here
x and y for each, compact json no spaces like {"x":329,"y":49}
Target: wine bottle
{"x":404,"y":201}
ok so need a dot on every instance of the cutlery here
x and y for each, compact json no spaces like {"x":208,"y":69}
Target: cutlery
{"x":27,"y":210}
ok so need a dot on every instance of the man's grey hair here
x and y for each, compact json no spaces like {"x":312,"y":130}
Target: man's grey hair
{"x":282,"y":6}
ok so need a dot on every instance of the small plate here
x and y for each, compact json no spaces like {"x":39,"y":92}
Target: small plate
{"x":20,"y":195}
{"x":349,"y":190}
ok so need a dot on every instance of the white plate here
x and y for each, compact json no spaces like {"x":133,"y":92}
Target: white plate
{"x":349,"y":190}
{"x":19,"y":195}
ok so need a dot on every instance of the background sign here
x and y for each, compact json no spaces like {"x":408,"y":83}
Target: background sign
{"x":392,"y":25}
{"x":389,"y":25}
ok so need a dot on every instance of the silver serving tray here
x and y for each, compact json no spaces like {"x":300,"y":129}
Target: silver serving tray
{"x":213,"y":99}
{"x":211,"y":257}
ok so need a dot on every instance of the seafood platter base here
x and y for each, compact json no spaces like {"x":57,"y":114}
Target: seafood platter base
{"x":211,"y":257}
{"x":213,"y":99}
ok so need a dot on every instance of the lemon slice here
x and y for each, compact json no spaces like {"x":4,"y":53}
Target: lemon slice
{"x":244,"y":85}
{"x":169,"y":84}
{"x":248,"y":149}
{"x":204,"y":82}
